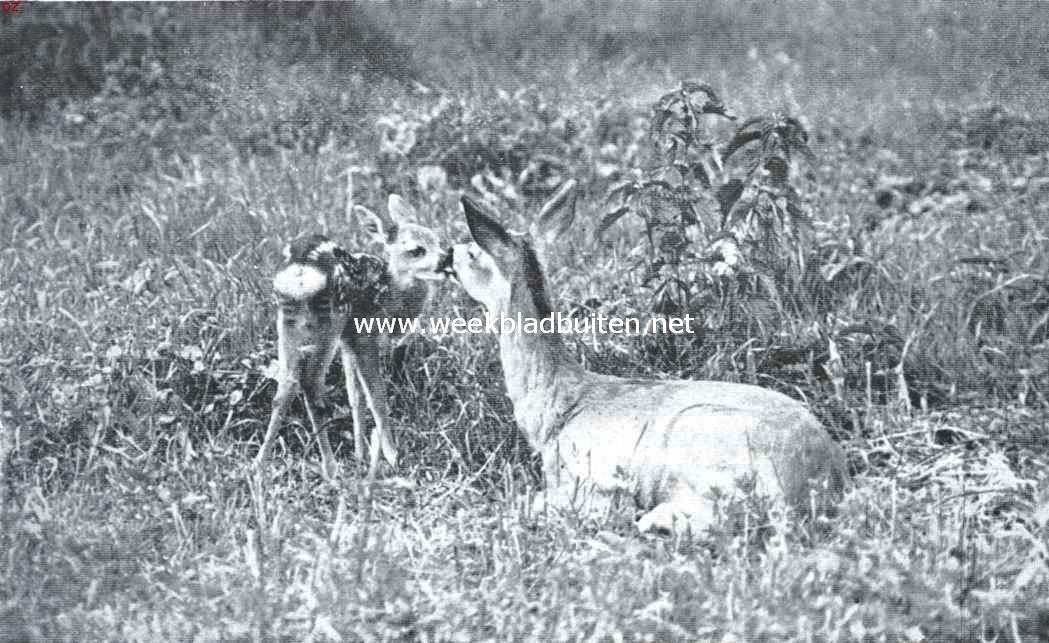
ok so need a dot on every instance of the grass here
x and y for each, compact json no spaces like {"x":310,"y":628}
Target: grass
{"x":140,"y":230}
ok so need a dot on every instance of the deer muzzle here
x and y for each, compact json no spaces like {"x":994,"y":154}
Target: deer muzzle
{"x":444,"y":265}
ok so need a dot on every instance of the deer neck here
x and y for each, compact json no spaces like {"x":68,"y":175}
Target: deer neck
{"x":542,"y":379}
{"x":408,"y":295}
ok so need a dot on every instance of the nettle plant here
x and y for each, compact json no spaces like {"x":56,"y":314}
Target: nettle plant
{"x":724,"y":226}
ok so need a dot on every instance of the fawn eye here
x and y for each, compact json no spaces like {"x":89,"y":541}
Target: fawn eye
{"x":417,"y":251}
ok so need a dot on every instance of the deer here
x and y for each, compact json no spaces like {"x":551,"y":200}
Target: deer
{"x":322,"y":292}
{"x":667,"y":445}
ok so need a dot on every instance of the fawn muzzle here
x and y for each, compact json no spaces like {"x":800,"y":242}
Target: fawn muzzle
{"x":444,"y":265}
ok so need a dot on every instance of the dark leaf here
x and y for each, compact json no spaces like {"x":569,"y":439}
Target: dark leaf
{"x":688,"y":214}
{"x":611,"y":218}
{"x":667,"y":301}
{"x":739,"y":211}
{"x":778,"y":169}
{"x":653,"y":183}
{"x":742,"y":137}
{"x":983,"y":261}
{"x":699,"y":170}
{"x":659,"y":118}
{"x":684,"y":137}
{"x":652,"y":271}
{"x":682,"y":170}
{"x":727,"y":194}
{"x":624,"y":189}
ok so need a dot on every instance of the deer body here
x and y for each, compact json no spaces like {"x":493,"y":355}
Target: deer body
{"x":322,"y":291}
{"x":665,"y":444}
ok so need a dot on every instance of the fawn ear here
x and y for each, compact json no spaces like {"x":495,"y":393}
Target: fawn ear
{"x":380,"y":229}
{"x":486,"y":231}
{"x":399,"y":209}
{"x":556,"y":215}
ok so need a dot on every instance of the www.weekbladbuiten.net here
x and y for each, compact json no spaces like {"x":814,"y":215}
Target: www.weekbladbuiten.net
{"x":559,"y":323}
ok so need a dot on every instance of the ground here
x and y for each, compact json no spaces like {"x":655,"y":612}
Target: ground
{"x":156,"y":159}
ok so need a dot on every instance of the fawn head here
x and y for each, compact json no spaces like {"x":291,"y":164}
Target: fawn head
{"x":500,"y":268}
{"x":412,"y":250}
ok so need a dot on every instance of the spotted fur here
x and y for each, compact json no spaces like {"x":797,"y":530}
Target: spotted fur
{"x":330,"y":277}
{"x":321,"y":291}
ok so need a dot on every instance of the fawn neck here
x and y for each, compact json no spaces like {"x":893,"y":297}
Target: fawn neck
{"x":542,"y":378}
{"x":407,"y":299}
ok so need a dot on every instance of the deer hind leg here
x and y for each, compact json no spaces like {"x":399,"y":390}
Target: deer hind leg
{"x":316,"y":368}
{"x":353,"y":394}
{"x":291,"y":334}
{"x":369,"y":375}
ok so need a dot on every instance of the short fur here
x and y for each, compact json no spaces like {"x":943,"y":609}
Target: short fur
{"x":320,"y":291}
{"x":665,"y":444}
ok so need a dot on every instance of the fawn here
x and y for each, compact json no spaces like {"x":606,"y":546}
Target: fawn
{"x":664,"y":444}
{"x":321,"y":290}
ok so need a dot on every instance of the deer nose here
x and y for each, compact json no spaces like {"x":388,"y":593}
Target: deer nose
{"x":444,"y":265}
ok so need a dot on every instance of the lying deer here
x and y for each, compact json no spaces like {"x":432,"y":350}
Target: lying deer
{"x":321,"y":290}
{"x":665,"y":444}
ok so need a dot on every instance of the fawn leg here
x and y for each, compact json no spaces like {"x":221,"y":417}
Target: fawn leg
{"x":314,"y":372}
{"x":370,"y":377}
{"x":353,"y":394}
{"x":289,"y":339}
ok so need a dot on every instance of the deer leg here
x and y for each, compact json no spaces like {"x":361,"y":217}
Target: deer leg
{"x":353,"y":394}
{"x":289,"y":341}
{"x":369,"y":375}
{"x":314,"y":372}
{"x":682,"y":514}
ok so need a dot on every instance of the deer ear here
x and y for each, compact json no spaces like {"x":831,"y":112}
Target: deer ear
{"x":380,"y":229}
{"x":486,"y":231}
{"x":399,"y":209}
{"x":557,"y":214}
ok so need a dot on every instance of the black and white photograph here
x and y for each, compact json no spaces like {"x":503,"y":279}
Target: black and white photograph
{"x":524,"y":320}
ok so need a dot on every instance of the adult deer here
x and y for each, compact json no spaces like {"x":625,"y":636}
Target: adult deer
{"x":323,"y":291}
{"x":665,"y":444}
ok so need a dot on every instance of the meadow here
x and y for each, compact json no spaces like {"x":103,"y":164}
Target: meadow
{"x":154,"y":160}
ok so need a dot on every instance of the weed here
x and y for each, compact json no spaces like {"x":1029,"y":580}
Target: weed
{"x":147,"y":192}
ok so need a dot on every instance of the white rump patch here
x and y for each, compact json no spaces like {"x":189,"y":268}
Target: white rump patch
{"x":324,"y":248}
{"x":299,"y":282}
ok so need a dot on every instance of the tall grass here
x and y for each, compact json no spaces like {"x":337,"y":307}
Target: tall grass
{"x":144,"y":208}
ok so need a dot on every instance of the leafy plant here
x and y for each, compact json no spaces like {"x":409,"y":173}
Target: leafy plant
{"x":722,"y":218}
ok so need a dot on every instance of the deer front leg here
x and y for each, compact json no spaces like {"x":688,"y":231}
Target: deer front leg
{"x":369,"y":374}
{"x":289,"y":340}
{"x":687,"y":517}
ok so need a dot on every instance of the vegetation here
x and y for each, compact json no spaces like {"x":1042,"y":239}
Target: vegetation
{"x":155,"y":158}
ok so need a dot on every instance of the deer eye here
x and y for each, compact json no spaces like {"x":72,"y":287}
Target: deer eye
{"x":417,"y":251}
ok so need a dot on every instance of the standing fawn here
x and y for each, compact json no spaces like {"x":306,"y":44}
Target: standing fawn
{"x":322,"y":290}
{"x":664,"y":444}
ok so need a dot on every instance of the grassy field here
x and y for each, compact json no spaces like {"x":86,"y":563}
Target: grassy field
{"x":154,"y":159}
